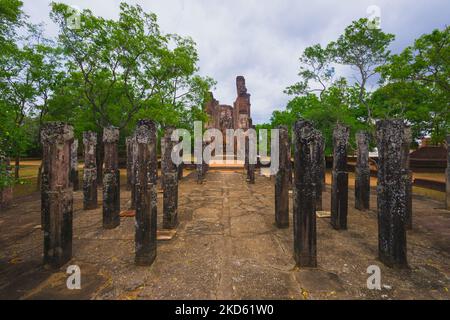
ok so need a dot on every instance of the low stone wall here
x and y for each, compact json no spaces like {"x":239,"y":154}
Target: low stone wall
{"x":430,"y":184}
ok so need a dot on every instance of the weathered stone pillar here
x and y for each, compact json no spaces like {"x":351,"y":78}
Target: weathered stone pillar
{"x":129,"y":149}
{"x":100,"y":156}
{"x":324,"y":169}
{"x":447,"y":197}
{"x":304,"y":189}
{"x":111,"y":179}
{"x":407,"y":175}
{"x":339,"y":184}
{"x":146,"y":195}
{"x":391,"y":200}
{"x":170,"y":181}
{"x":90,"y":200}
{"x":201,"y":168}
{"x":282,"y":180}
{"x":6,"y":192}
{"x":131,"y":165}
{"x":180,"y":167}
{"x":362,"y":172}
{"x":319,"y":154}
{"x":249,"y":167}
{"x":205,"y":165}
{"x":74,"y":179}
{"x":57,"y":196}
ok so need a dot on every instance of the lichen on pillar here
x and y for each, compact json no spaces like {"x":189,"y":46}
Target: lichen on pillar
{"x":304,"y":194}
{"x":362,"y":172}
{"x":146,"y":195}
{"x":56,"y":193}
{"x":90,"y":197}
{"x":339,"y":183}
{"x":170,"y":181}
{"x":111,"y":179}
{"x":391,"y":192}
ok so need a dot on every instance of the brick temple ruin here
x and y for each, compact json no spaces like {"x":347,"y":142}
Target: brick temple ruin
{"x":223,"y":117}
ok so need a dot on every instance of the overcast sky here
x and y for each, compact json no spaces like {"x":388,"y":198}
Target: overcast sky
{"x":263,"y":39}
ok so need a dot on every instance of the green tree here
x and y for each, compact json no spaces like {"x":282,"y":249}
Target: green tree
{"x":29,"y":76}
{"x":415,"y":85}
{"x":363,"y":47}
{"x":11,"y":18}
{"x":129,"y":66}
{"x":315,"y":66}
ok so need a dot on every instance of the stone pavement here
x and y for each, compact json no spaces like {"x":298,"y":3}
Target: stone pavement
{"x":227,"y":247}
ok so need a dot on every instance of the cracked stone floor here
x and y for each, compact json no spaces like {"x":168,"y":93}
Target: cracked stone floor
{"x":226,"y":247}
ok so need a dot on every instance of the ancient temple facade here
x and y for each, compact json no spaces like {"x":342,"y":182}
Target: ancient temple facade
{"x":223,"y":117}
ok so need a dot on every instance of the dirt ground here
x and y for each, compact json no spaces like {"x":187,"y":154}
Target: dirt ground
{"x":226,"y":247}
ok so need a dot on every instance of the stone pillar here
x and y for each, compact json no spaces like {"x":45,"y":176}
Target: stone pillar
{"x":129,"y":149}
{"x":324,"y":170}
{"x":249,"y":167}
{"x":131,"y":164}
{"x":407,"y":175}
{"x":74,"y":179}
{"x":319,"y":154}
{"x":391,"y":200}
{"x":201,"y":168}
{"x":180,"y":167}
{"x":100,"y":156}
{"x":6,"y":193}
{"x":146,"y":195}
{"x":111,"y":179}
{"x":282,"y":180}
{"x":205,"y":165}
{"x":362,"y":172}
{"x":447,"y":197}
{"x":339,"y":184}
{"x":90,"y":200}
{"x":57,"y":196}
{"x":304,"y":197}
{"x":170,"y":181}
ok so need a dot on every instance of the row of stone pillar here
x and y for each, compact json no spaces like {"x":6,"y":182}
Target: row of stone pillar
{"x":57,"y":186}
{"x":394,"y":186}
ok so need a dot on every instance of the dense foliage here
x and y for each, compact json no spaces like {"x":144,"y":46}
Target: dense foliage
{"x":412,"y":85}
{"x":98,"y":72}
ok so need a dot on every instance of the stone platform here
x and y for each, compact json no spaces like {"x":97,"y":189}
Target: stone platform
{"x":226,"y":247}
